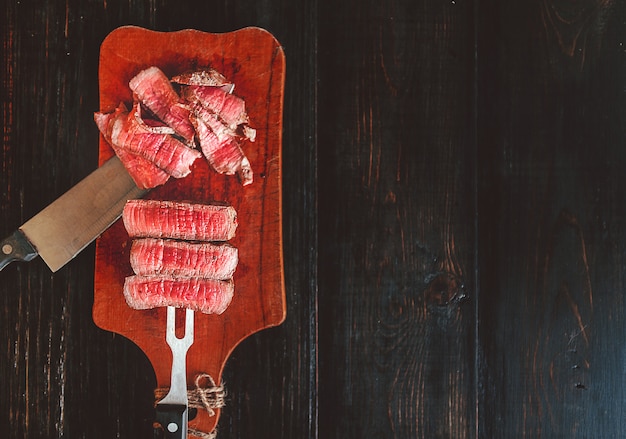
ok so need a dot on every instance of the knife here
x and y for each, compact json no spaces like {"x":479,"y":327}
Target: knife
{"x":63,"y":229}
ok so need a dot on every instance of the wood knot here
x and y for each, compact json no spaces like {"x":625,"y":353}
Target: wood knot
{"x":444,"y":289}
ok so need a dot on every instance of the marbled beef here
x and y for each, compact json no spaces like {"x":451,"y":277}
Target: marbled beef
{"x":152,"y":256}
{"x":154,"y":90}
{"x":179,"y":220}
{"x":208,"y":296}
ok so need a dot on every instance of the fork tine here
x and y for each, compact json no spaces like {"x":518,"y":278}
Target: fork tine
{"x":179,"y":347}
{"x":170,"y":332}
{"x":189,"y":334}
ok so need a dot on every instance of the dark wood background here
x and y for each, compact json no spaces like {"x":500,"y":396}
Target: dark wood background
{"x":454,"y":222}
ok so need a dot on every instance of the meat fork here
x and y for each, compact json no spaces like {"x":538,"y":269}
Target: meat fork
{"x":172,"y":412}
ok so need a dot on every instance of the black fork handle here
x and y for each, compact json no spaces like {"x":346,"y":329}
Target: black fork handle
{"x":173,"y":418}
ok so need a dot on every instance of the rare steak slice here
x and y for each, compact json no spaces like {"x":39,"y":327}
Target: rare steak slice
{"x":144,"y":173}
{"x":209,"y":296}
{"x":126,"y":131}
{"x":179,"y":220}
{"x":163,"y":149}
{"x":207,"y":77}
{"x":150,"y":256}
{"x":155,"y":92}
{"x":231,"y":109}
{"x":221,"y":149}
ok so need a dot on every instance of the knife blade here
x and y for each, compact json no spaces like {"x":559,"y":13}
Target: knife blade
{"x":70,"y":223}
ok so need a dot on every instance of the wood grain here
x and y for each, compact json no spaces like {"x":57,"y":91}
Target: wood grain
{"x":453,"y":219}
{"x":396,"y":196}
{"x":105,"y":385}
{"x":550,"y":235}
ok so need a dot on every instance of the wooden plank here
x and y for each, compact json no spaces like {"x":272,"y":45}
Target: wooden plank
{"x":550,"y":206}
{"x":396,"y":220}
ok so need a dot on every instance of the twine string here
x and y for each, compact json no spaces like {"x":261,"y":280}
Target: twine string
{"x":202,"y":434}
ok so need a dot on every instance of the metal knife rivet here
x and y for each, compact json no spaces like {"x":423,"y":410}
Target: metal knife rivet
{"x":7,"y":249}
{"x":172,"y":427}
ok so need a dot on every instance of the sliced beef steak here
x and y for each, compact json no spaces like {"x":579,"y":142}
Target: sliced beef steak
{"x":144,"y":173}
{"x":179,"y":220}
{"x":206,"y":77}
{"x":155,"y":92}
{"x":230,"y":108}
{"x":125,"y":131}
{"x":152,"y":256}
{"x":208,"y":296}
{"x":221,"y":149}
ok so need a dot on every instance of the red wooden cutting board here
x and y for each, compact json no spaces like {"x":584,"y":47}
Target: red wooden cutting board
{"x":254,"y":61}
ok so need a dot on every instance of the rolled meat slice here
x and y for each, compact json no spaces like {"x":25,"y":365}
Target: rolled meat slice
{"x":150,"y":256}
{"x":208,"y":296}
{"x":179,"y":220}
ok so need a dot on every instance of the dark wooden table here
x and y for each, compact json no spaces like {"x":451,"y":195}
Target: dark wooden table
{"x":454,"y":223}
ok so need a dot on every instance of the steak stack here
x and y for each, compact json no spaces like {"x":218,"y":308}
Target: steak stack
{"x":179,"y":255}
